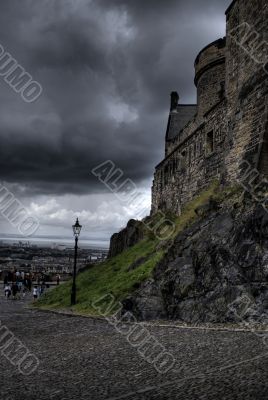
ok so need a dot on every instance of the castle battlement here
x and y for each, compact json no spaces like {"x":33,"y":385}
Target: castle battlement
{"x":209,"y":140}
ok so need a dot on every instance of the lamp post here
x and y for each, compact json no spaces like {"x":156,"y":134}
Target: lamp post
{"x":76,"y":229}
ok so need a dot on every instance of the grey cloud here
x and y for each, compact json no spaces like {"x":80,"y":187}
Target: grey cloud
{"x":89,"y":55}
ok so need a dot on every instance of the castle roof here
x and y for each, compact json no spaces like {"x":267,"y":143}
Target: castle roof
{"x":178,"y":118}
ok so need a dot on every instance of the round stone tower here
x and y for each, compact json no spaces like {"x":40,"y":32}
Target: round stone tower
{"x":210,"y":75}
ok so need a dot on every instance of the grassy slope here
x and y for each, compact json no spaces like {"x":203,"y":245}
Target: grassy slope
{"x":112,"y":276}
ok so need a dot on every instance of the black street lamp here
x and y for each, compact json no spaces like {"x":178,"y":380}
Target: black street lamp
{"x":76,"y":229}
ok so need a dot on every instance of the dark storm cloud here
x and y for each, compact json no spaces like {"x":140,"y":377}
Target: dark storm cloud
{"x":106,"y":68}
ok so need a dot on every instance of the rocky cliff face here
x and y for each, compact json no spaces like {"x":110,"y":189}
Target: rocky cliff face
{"x":127,"y":237}
{"x":214,"y":271}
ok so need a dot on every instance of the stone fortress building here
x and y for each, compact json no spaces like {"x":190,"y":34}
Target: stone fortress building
{"x":226,"y":131}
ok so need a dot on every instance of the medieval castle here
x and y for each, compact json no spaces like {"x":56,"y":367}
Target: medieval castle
{"x":226,"y":131}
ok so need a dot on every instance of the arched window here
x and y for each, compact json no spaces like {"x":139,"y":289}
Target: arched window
{"x":183,"y":160}
{"x":190,"y":154}
{"x":210,"y":143}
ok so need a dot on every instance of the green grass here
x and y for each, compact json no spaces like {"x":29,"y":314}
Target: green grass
{"x":113,"y":276}
{"x":110,"y":277}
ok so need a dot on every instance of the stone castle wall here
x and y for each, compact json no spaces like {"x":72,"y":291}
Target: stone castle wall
{"x":231,"y":120}
{"x":210,"y":75}
{"x":246,"y":83}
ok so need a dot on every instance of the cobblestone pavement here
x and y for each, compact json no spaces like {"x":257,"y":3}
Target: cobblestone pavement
{"x":82,"y":358}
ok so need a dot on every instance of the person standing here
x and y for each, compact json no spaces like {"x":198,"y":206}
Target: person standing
{"x":7,"y":291}
{"x":9,"y":276}
{"x":20,"y":285}
{"x":42,"y":288}
{"x":35,"y":293}
{"x":14,"y":290}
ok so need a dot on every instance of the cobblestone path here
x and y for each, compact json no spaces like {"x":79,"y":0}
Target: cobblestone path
{"x":82,"y":358}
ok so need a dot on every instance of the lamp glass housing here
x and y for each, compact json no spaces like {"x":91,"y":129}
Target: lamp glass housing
{"x":77,"y":228}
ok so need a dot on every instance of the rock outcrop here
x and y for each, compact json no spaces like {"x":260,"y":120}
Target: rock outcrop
{"x":215,"y":271}
{"x":127,"y":237}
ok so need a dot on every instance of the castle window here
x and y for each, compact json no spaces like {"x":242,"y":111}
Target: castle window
{"x":166,"y":175}
{"x":183,"y":160}
{"x":194,"y":150}
{"x":210,"y":143}
{"x":198,"y":148}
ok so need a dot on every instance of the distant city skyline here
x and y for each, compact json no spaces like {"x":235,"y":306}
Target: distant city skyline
{"x":49,"y":241}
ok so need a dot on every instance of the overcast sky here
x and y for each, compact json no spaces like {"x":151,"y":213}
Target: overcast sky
{"x":107,"y":68}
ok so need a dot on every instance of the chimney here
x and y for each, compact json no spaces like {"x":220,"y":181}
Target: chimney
{"x":174,"y":100}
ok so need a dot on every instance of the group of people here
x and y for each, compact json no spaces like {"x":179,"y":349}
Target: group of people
{"x":17,"y":284}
